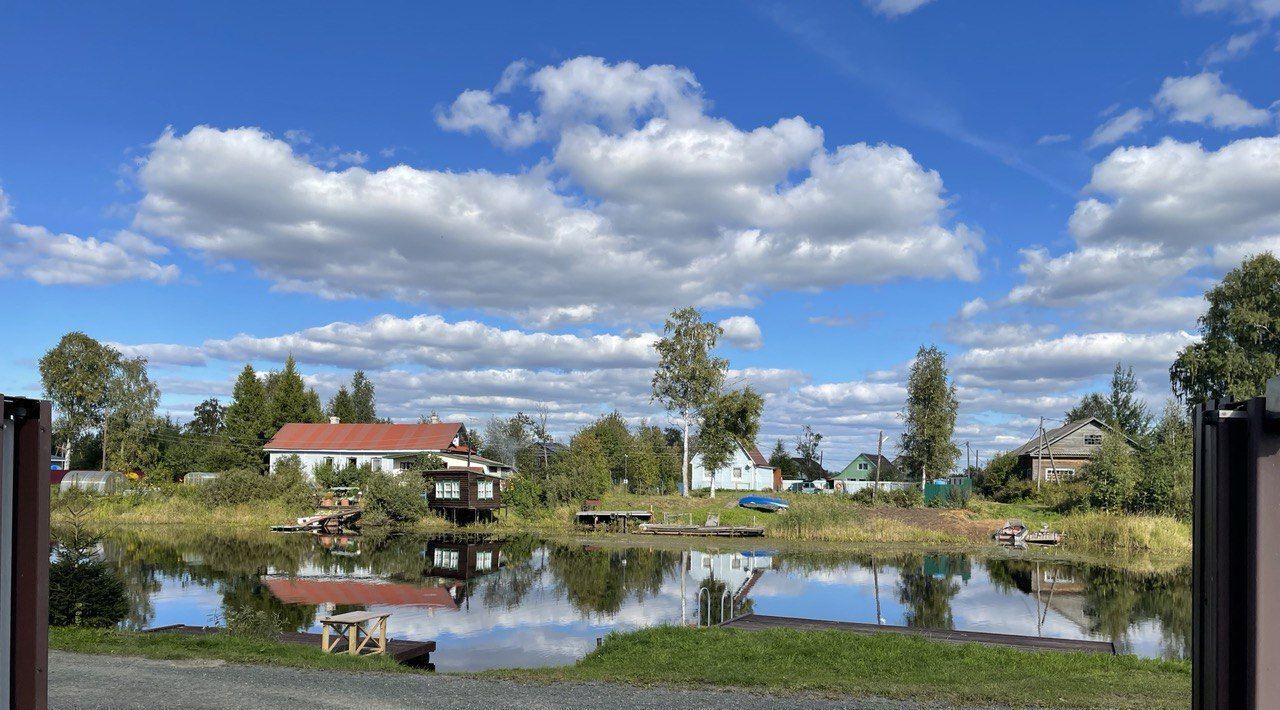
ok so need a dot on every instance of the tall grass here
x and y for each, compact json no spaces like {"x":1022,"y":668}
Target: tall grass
{"x":1127,"y":533}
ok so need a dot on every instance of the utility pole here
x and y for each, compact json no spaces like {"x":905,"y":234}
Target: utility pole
{"x":1040,"y":455}
{"x":105,"y":417}
{"x":966,"y":457}
{"x":879,"y":449}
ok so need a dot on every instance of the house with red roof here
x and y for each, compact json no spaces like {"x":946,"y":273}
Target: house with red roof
{"x":747,"y":470}
{"x":384,"y":447}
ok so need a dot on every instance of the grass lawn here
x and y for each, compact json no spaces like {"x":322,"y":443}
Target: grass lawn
{"x":883,"y":665}
{"x":234,"y":649}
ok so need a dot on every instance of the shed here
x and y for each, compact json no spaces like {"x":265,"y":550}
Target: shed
{"x":463,"y":492}
{"x":93,"y":481}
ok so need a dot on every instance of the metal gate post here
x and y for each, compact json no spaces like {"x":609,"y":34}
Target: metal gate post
{"x":24,"y":558}
{"x":1236,"y":553}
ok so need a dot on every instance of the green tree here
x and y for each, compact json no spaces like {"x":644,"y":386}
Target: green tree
{"x":288,"y":400}
{"x":688,"y":377}
{"x":341,"y":406}
{"x":1000,"y":470}
{"x":1165,"y":485}
{"x":581,"y":471}
{"x":129,"y":441}
{"x":1128,"y":412}
{"x":730,"y":420}
{"x":1091,"y":405}
{"x":666,"y":457}
{"x":1112,"y":474}
{"x":246,"y":419}
{"x":209,"y":418}
{"x":75,"y":374}
{"x":929,"y":416}
{"x":1240,"y":345}
{"x":83,"y":591}
{"x":615,"y":440}
{"x":809,"y":444}
{"x":781,"y":459}
{"x":364,"y":404}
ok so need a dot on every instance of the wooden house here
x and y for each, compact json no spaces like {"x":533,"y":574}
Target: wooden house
{"x":465,"y":494}
{"x":863,"y":468}
{"x":1062,"y":453}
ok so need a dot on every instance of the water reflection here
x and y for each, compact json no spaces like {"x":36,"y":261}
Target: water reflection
{"x":520,"y":601}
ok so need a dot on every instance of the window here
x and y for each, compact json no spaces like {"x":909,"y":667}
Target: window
{"x":484,"y":560}
{"x":351,"y":462}
{"x":449,"y":490}
{"x":376,"y":463}
{"x":328,"y":461}
{"x":863,"y":466}
{"x":484,"y":490}
{"x":737,"y":472}
{"x":446,"y":558}
{"x":1093,"y":440}
{"x":1059,"y":474}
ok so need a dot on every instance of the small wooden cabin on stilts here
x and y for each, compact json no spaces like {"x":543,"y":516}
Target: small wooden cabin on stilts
{"x":464,"y":495}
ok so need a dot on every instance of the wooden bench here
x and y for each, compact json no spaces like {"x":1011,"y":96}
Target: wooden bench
{"x":356,"y":628}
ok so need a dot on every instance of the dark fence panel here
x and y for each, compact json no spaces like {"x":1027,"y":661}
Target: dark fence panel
{"x":1236,"y":556}
{"x":24,"y":516}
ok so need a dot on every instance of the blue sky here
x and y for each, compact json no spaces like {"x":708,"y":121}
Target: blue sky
{"x":490,"y":207}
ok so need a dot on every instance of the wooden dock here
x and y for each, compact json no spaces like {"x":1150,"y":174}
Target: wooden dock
{"x":322,"y":522}
{"x":611,"y":518}
{"x":757,"y":622}
{"x":409,"y":653}
{"x":701,"y":530}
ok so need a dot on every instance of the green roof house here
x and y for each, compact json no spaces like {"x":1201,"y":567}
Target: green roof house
{"x":863,"y":468}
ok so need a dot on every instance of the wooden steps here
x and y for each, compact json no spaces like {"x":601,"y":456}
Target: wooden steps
{"x":757,"y":622}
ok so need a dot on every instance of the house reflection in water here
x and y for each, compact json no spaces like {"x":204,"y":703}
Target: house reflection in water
{"x":462,"y":560}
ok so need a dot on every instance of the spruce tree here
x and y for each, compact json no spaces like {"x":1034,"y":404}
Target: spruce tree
{"x":288,"y":400}
{"x":246,"y":418}
{"x":340,"y":406}
{"x":364,"y":406}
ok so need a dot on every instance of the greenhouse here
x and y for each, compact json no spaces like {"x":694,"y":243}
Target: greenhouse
{"x":95,"y":481}
{"x":196,"y":478}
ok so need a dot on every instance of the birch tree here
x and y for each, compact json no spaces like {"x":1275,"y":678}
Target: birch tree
{"x":688,"y":377}
{"x":76,"y":374}
{"x":929,"y":415}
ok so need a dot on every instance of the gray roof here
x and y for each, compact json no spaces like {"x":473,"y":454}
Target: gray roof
{"x":1053,"y":436}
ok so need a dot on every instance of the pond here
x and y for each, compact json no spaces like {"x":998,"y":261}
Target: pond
{"x":521,"y":601}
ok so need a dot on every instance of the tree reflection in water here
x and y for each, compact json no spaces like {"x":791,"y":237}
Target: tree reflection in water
{"x":1101,"y":602}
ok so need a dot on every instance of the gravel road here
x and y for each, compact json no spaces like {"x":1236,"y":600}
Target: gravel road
{"x":116,"y":682}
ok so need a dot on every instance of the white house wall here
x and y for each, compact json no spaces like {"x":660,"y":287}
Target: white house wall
{"x":378,"y":460}
{"x":741,"y":474}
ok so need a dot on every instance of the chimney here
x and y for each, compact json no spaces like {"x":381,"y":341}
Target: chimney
{"x":334,"y":420}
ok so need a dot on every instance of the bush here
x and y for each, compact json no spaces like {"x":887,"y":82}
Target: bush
{"x":862,"y":497}
{"x":327,"y":476}
{"x":1069,"y":497}
{"x":906,"y":498}
{"x":239,"y":486}
{"x":1015,"y":491}
{"x":394,"y":499}
{"x":524,"y":495}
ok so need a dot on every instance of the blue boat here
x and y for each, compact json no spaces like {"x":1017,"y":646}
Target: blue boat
{"x":765,"y":503}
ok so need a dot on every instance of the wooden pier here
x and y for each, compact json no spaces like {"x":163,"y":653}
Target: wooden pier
{"x":416,"y":654}
{"x":701,"y":530}
{"x":322,"y":522}
{"x":611,"y":518}
{"x":757,"y":622}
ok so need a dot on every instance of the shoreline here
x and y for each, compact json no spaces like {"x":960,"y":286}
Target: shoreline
{"x":817,"y":521}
